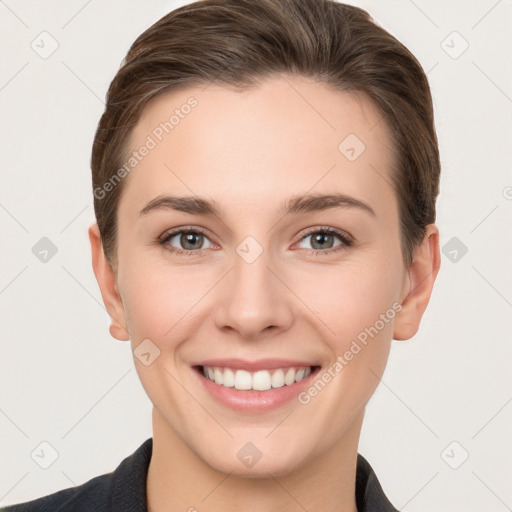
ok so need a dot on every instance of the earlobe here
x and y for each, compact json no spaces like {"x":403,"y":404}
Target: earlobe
{"x":106,"y":278}
{"x":422,"y":274}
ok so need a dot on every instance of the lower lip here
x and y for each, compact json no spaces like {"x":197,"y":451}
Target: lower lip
{"x":255,"y":401}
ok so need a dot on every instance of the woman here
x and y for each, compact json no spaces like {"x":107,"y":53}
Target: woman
{"x":264,"y":176}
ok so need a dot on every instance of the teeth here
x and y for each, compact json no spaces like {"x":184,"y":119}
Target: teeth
{"x":289,"y":378}
{"x":229,"y":378}
{"x":218,"y":376}
{"x":243,"y":380}
{"x":262,"y":380}
{"x":278,"y":379}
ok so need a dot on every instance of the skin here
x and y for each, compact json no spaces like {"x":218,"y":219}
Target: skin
{"x":251,"y":151}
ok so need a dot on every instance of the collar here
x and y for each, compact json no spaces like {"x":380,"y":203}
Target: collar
{"x":129,"y":484}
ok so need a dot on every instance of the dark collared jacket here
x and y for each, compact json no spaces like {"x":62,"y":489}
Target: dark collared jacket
{"x":124,"y":490}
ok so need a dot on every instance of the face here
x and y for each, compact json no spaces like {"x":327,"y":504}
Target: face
{"x":287,"y":301}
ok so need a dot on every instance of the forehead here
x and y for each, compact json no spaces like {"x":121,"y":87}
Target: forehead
{"x":285,"y":136}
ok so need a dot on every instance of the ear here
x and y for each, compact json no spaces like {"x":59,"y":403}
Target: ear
{"x":418,"y":286}
{"x":106,"y":277}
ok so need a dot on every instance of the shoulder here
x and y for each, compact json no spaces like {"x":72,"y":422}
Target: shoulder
{"x":123,"y":489}
{"x":370,"y":496}
{"x":92,"y":495}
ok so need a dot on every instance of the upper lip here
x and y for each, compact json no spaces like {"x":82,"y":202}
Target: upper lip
{"x":260,"y":364}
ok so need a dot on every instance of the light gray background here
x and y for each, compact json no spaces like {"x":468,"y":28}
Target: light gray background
{"x":65,"y":381}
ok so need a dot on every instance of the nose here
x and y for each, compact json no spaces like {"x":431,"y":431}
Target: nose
{"x":253,"y":301}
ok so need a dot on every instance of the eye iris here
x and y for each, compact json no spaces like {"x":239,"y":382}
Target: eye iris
{"x":321,"y":238}
{"x":190,"y":240}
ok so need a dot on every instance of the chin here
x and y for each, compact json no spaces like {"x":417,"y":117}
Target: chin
{"x":257,"y":460}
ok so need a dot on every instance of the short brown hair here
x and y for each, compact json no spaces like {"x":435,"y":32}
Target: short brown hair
{"x":238,"y":42}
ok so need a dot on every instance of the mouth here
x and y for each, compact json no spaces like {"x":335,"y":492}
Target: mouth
{"x":254,"y":387}
{"x":261,"y":380}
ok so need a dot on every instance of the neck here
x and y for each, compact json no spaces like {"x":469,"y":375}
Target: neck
{"x":179,"y":480}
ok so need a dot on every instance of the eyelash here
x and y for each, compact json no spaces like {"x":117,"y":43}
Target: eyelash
{"x":346,"y":240}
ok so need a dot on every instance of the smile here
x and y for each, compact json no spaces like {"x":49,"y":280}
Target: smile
{"x":255,"y":386}
{"x":261,"y":380}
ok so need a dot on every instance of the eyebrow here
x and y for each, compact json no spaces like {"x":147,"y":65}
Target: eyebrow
{"x":296,"y":204}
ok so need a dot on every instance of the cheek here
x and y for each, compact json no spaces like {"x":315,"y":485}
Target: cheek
{"x":166,"y":303}
{"x":350,"y":298}
{"x":157,"y":300}
{"x":357,"y":304}
{"x":354,"y":305}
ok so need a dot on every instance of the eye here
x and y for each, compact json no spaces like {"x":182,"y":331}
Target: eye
{"x":188,"y":241}
{"x":327,"y":240}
